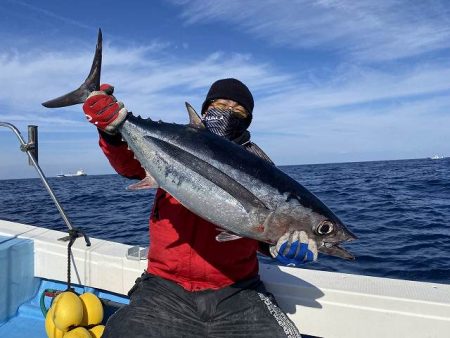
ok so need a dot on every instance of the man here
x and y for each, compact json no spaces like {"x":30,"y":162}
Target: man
{"x":195,"y":286}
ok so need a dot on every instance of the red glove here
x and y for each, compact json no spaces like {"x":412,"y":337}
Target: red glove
{"x":102,"y":109}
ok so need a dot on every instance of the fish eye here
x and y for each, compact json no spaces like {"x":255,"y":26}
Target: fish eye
{"x":324,"y":228}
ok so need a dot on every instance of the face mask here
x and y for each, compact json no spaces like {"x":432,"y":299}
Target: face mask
{"x":224,"y":123}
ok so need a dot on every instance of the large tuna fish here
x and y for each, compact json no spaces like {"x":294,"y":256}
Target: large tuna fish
{"x":220,"y":180}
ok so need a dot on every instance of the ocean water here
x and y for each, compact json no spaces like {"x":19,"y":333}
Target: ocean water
{"x":400,"y":210}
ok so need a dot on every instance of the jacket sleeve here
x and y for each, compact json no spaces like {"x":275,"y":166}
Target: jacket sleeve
{"x":120,"y":157}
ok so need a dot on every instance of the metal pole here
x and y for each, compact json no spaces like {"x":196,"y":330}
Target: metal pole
{"x":28,"y":148}
{"x":33,"y":141}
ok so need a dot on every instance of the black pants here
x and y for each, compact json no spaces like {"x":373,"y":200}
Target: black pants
{"x":161,"y":308}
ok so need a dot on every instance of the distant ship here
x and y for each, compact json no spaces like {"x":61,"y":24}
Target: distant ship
{"x":79,"y":172}
{"x":436,"y":157}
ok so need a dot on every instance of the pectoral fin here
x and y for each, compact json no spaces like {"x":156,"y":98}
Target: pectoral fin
{"x":226,"y":237}
{"x":147,"y":183}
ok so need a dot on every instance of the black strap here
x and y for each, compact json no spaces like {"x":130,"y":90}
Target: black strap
{"x":73,"y":235}
{"x":160,"y":194}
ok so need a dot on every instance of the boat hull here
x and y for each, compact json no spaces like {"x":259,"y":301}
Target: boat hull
{"x":323,"y":304}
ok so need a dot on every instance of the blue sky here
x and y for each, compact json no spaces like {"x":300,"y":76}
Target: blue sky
{"x":333,"y":81}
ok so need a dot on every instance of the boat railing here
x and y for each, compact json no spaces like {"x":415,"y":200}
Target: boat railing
{"x":31,"y":148}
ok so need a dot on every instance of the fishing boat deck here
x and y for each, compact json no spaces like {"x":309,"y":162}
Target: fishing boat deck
{"x":29,"y":320}
{"x":20,"y":309}
{"x":322,"y":304}
{"x":28,"y":323}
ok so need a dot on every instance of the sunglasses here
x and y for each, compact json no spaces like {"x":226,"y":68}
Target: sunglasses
{"x":236,"y":108}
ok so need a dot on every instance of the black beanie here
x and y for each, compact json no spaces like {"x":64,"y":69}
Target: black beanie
{"x":230,"y":89}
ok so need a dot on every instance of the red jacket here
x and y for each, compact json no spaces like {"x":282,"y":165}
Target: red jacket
{"x":183,"y":247}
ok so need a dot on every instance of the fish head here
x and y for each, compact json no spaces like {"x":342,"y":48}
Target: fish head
{"x":329,"y":233}
{"x":322,"y":226}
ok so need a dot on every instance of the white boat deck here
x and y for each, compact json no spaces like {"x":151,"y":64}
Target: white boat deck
{"x":322,"y":304}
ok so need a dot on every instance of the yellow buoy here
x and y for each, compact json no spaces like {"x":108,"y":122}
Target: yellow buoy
{"x":67,"y":310}
{"x":50,"y":328}
{"x":79,"y":332}
{"x":97,"y":331}
{"x":92,"y":309}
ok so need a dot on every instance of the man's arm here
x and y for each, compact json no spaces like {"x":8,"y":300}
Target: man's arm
{"x":102,"y":110}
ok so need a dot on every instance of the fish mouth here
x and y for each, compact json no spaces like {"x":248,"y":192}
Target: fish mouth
{"x":333,"y":249}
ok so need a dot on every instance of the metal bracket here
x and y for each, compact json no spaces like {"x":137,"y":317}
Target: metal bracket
{"x":75,"y":233}
{"x":31,"y":149}
{"x":136,"y":253}
{"x":27,"y":147}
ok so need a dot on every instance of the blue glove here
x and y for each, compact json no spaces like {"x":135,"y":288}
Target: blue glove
{"x":294,"y":249}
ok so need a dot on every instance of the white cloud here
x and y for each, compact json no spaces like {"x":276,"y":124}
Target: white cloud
{"x":365,"y":29}
{"x":359,"y":86}
{"x":150,"y":84}
{"x":157,"y":87}
{"x":357,"y":113}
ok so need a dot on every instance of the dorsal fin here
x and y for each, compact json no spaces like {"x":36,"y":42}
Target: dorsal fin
{"x":194,"y":119}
